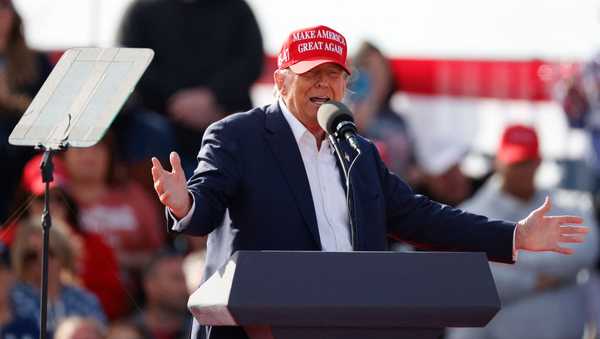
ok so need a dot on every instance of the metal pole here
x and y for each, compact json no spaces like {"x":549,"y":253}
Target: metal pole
{"x":47,"y":169}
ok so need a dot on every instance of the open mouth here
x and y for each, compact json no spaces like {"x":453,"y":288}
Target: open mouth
{"x":319,"y":100}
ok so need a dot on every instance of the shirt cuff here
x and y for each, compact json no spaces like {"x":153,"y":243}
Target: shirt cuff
{"x":515,"y":253}
{"x":180,"y":225}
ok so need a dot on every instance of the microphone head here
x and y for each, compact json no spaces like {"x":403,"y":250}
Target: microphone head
{"x":331,"y":113}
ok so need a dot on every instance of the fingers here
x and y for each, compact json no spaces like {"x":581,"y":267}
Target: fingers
{"x":567,"y":219}
{"x":157,"y":169}
{"x":566,"y":230}
{"x":564,"y":250}
{"x":176,"y":163}
{"x":159,"y":186}
{"x":573,"y":239}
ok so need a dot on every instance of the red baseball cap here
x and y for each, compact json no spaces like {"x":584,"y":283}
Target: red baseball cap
{"x":32,"y":175}
{"x":310,"y":47}
{"x":519,"y":143}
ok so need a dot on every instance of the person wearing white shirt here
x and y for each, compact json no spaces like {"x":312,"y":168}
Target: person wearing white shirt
{"x":540,"y":295}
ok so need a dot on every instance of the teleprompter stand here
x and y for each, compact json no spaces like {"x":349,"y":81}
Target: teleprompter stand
{"x":74,"y":108}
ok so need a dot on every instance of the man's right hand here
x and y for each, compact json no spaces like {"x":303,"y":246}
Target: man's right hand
{"x":171,"y":186}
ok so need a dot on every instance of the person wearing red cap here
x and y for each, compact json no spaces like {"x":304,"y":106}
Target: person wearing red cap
{"x":273,"y":171}
{"x":97,"y":267}
{"x":539,"y":293}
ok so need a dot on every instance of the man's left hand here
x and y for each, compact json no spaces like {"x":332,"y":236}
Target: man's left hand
{"x":539,"y":232}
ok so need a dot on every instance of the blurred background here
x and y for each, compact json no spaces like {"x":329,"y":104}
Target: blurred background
{"x":445,"y":89}
{"x":479,"y":64}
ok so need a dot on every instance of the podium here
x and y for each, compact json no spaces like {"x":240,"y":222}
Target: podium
{"x":349,"y":295}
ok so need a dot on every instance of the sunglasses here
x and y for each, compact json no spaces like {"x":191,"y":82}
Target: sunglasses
{"x":33,"y":255}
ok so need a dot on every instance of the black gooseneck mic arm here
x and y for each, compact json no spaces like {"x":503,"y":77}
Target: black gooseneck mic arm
{"x":349,"y":198}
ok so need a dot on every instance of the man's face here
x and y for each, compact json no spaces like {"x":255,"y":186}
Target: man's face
{"x":166,"y":286}
{"x":306,"y":92}
{"x":520,"y":174}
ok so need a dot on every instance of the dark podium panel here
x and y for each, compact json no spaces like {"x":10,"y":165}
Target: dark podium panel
{"x":331,"y":295}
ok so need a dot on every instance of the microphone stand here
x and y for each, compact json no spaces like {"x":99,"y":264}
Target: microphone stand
{"x":47,"y":169}
{"x":349,"y":201}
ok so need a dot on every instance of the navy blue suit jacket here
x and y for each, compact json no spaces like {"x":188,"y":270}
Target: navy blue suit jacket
{"x":250,"y":165}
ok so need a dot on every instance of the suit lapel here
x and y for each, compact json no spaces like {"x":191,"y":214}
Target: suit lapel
{"x":281,"y":140}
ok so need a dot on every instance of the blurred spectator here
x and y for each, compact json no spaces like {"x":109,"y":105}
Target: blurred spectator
{"x":442,"y":178}
{"x":96,"y":264}
{"x":79,"y":328}
{"x":11,"y":324}
{"x":371,"y":90}
{"x":22,"y":73}
{"x":581,"y":103}
{"x":539,"y":294}
{"x":124,"y":330}
{"x":141,"y":134}
{"x":208,"y":54}
{"x":118,"y":210}
{"x":64,"y":299}
{"x":165,"y":315}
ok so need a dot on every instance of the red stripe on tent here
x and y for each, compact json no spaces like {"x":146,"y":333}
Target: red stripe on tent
{"x":514,"y":79}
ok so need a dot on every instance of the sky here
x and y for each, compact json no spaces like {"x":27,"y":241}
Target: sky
{"x":555,"y":29}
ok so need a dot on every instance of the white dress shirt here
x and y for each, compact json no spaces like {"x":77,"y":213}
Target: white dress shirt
{"x":325,"y":183}
{"x":329,"y":198}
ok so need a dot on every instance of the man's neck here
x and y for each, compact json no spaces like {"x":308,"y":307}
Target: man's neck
{"x":524,"y":194}
{"x":319,"y":136}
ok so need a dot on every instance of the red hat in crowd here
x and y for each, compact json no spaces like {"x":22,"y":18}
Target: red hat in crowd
{"x":32,"y":175}
{"x":519,"y":143}
{"x":310,"y":47}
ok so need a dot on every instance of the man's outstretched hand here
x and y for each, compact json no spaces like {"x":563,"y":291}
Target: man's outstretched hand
{"x":171,"y":186}
{"x":539,"y":232}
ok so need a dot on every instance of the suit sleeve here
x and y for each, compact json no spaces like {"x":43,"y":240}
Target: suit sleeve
{"x":417,"y":219}
{"x":215,"y":181}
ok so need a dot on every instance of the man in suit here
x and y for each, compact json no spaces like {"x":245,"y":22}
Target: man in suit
{"x":274,"y":173}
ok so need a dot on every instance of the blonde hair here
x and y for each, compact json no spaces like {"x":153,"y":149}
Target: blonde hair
{"x":59,"y":245}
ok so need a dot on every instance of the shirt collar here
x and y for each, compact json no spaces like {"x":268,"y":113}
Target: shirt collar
{"x":297,"y":128}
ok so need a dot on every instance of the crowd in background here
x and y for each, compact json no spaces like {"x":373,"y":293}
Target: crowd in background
{"x":114,"y":270}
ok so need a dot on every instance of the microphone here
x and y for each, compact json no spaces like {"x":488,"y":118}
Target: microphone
{"x":336,"y":119}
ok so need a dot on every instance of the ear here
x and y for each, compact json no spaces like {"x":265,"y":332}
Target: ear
{"x":279,"y":79}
